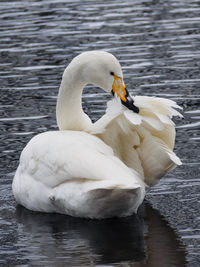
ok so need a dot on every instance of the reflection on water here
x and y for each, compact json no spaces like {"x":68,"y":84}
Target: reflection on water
{"x":54,"y":239}
{"x":163,"y":248}
{"x":76,"y":241}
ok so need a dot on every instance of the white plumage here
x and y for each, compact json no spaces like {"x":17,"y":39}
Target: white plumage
{"x":100,"y":169}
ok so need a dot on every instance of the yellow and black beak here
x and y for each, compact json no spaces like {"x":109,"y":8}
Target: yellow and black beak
{"x":120,"y":90}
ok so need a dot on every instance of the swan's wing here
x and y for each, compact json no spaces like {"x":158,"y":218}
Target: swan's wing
{"x":144,"y":141}
{"x":59,"y":169}
{"x":53,"y":158}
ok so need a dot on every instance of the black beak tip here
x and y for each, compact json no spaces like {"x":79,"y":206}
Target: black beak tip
{"x":130,"y":105}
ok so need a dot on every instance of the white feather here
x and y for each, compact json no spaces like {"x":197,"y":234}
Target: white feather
{"x":132,"y":117}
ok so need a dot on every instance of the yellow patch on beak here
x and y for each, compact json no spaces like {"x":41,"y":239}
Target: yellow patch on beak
{"x":119,"y":88}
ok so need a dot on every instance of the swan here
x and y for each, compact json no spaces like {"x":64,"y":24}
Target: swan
{"x":101,"y":169}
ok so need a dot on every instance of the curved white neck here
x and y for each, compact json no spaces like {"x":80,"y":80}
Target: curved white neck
{"x":69,"y":112}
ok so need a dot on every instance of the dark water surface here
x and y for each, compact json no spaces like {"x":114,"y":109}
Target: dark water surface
{"x":158,"y":45}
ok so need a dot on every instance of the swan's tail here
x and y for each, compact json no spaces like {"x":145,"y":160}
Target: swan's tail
{"x":116,"y":202}
{"x":101,"y":201}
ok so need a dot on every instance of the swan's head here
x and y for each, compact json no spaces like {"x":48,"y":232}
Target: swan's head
{"x":102,"y":69}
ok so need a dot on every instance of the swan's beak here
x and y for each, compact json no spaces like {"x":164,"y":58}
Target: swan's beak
{"x":119,"y":89}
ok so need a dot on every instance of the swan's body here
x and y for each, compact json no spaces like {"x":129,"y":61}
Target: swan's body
{"x":97,"y":170}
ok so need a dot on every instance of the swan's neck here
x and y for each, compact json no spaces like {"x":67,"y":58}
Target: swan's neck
{"x":69,"y":112}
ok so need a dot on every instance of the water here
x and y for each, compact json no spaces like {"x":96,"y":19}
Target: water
{"x":158,"y":45}
{"x":56,"y":240}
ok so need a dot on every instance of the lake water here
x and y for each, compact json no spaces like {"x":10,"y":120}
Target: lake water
{"x":158,"y":45}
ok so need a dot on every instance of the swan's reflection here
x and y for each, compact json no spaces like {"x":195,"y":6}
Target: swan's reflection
{"x":82,"y":241}
{"x":53,"y":239}
{"x":163,"y":247}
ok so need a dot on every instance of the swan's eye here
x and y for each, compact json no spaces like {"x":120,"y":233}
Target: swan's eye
{"x":112,"y":73}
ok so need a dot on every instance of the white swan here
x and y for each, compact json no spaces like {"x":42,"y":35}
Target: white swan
{"x":97,"y":170}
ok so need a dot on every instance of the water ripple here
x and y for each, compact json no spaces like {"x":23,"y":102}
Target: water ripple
{"x":157,"y":43}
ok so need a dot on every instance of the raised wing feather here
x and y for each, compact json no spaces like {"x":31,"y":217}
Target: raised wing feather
{"x":144,"y":141}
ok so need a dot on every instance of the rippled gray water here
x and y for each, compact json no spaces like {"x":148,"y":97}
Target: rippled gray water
{"x":158,"y":45}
